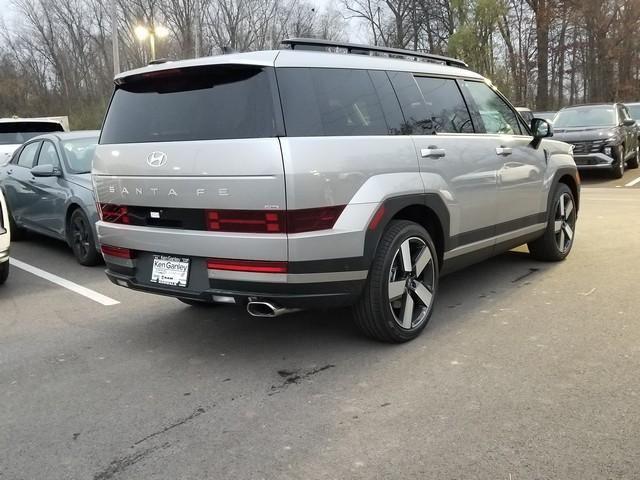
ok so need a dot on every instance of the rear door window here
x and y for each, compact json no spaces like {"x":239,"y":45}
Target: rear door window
{"x":27,"y":158}
{"x":445,"y":107}
{"x":411,"y":101}
{"x":197,"y":103}
{"x":330,"y":101}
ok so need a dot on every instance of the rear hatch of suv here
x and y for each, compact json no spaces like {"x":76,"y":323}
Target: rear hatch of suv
{"x":14,"y":133}
{"x":189,"y":163}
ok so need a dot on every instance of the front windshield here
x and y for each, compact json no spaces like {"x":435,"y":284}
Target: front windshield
{"x":634,"y":110}
{"x":596,"y":116}
{"x":16,"y":133}
{"x":79,"y":153}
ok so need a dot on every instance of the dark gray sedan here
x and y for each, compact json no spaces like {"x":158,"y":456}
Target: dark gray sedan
{"x":47,"y":185}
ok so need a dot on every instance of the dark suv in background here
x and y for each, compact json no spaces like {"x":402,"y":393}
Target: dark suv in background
{"x":604,"y":136}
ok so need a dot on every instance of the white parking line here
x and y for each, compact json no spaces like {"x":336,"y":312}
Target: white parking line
{"x":633,"y":182}
{"x":74,"y":287}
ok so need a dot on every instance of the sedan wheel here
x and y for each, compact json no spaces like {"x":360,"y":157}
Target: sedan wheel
{"x":81,"y":239}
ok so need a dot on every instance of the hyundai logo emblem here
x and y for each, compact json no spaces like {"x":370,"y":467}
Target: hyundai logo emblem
{"x":157,"y":159}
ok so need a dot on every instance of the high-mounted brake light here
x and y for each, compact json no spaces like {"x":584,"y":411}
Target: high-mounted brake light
{"x":255,"y":266}
{"x":119,"y":252}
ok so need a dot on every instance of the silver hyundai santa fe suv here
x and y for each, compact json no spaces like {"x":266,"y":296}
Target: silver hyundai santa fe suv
{"x":304,"y":178}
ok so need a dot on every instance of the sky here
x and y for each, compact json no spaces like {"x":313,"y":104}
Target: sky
{"x":354,"y":31}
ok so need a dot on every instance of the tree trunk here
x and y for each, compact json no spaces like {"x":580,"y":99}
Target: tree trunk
{"x":542,"y":33}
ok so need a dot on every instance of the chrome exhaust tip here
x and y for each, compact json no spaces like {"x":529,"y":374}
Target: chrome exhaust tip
{"x":261,"y":308}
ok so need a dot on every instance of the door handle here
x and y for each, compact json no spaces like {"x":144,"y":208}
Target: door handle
{"x":504,"y":151}
{"x":432,"y":152}
{"x":9,"y":172}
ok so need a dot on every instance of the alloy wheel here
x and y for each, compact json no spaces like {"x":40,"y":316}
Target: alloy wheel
{"x":565,"y":221}
{"x":80,"y":234}
{"x":411,"y":283}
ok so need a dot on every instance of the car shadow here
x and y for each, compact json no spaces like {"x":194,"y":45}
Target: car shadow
{"x":44,"y":243}
{"x":596,"y":177}
{"x":205,"y":331}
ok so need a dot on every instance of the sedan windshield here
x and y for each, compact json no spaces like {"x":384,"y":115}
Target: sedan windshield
{"x":79,"y":153}
{"x":596,"y":116}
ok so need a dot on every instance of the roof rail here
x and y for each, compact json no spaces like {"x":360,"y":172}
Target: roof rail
{"x":368,"y":49}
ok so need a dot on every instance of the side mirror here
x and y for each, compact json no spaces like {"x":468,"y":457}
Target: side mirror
{"x":628,"y":122}
{"x":541,"y":128}
{"x":45,"y":171}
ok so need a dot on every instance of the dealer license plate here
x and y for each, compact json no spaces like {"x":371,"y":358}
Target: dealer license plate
{"x":172,"y":271}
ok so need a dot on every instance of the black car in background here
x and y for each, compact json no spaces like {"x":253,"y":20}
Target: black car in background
{"x":604,"y":136}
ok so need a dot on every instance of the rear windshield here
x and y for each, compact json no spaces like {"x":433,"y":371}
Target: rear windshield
{"x":202,"y":103}
{"x":16,"y":133}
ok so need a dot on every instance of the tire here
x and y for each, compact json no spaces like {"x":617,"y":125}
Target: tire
{"x":81,"y":239}
{"x":617,"y":170}
{"x":635,"y":161}
{"x":557,"y":241}
{"x":197,"y":303}
{"x":391,"y":289}
{"x":4,"y":272}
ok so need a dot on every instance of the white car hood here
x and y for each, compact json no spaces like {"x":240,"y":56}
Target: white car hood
{"x":5,"y":153}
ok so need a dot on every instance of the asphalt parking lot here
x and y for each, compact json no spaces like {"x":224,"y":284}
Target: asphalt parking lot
{"x":526,"y":370}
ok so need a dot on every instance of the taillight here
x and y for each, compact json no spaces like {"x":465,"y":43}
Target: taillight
{"x":259,"y":221}
{"x":311,"y":219}
{"x":255,"y":266}
{"x":119,"y":252}
{"x":245,"y":221}
{"x":114,"y":213}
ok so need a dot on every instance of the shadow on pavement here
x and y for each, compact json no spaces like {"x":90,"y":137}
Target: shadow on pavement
{"x":209,"y":330}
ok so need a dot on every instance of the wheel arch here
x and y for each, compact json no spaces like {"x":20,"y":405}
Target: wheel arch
{"x":571,"y":182}
{"x":71,"y":207}
{"x":427,"y":210}
{"x":570,"y":177}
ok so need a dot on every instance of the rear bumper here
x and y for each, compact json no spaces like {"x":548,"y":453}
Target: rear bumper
{"x":311,"y":290}
{"x":329,"y":295}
